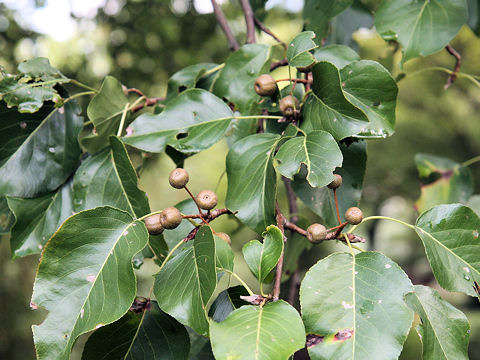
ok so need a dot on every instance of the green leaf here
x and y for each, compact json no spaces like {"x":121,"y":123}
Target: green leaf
{"x":200,"y":117}
{"x":244,"y":65}
{"x":444,"y":330}
{"x":85,"y":278}
{"x":262,"y":258}
{"x":33,"y":86}
{"x":453,"y":183}
{"x":450,"y":236}
{"x":227,"y":301}
{"x":298,"y":51}
{"x":353,"y":307}
{"x":172,"y":237}
{"x":39,"y":151}
{"x":186,"y":78}
{"x":7,"y":219}
{"x":253,"y":196}
{"x":274,"y":332}
{"x":150,"y":334}
{"x":105,"y":112}
{"x":421,"y":27}
{"x":321,"y":200}
{"x":338,"y":55}
{"x":108,"y":178}
{"x":37,"y":219}
{"x":316,"y":14}
{"x":346,"y":24}
{"x":359,"y":100}
{"x":318,"y":150}
{"x":186,"y":283}
{"x":223,"y":253}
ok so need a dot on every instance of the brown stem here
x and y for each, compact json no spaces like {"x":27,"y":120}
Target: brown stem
{"x":453,"y":76}
{"x":148,"y":102}
{"x":278,"y":272}
{"x":294,"y":286}
{"x":336,"y":206}
{"x":136,"y":91}
{"x":222,"y":21}
{"x":304,"y":81}
{"x":330,"y":236}
{"x":292,"y":200}
{"x":249,"y":20}
{"x":206,"y":219}
{"x":195,"y":201}
{"x":278,"y":64}
{"x":267,"y":31}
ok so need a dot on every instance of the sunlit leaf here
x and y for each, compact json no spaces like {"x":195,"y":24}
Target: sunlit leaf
{"x":298,"y":51}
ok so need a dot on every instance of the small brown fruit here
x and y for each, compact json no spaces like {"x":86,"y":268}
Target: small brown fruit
{"x":170,"y":218}
{"x":354,"y":215}
{"x":288,"y":105}
{"x":265,"y":85}
{"x":316,"y":233}
{"x":225,"y":237}
{"x":153,"y":224}
{"x":335,"y":184}
{"x":207,"y":199}
{"x":178,"y":178}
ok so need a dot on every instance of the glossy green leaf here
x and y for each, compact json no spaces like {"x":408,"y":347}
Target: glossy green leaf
{"x":252,"y":180}
{"x":353,"y":307}
{"x":244,"y":65}
{"x":105,"y":112}
{"x":108,"y":178}
{"x":186,"y":78}
{"x":272,"y":332}
{"x":317,"y":13}
{"x":444,"y":330}
{"x":317,"y":150}
{"x":37,"y":219}
{"x":200,"y":117}
{"x":39,"y":151}
{"x":262,"y":258}
{"x":338,"y":55}
{"x":186,"y":283}
{"x":150,"y":334}
{"x":33,"y":86}
{"x":298,"y":51}
{"x":450,"y":236}
{"x":221,"y":307}
{"x":421,"y":27}
{"x":223,"y":253}
{"x":359,"y":100}
{"x":85,"y":278}
{"x":453,"y":183}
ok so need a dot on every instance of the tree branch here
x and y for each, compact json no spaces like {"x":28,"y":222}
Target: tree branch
{"x":207,"y":218}
{"x":278,"y":272}
{"x":267,"y":31}
{"x":148,"y":102}
{"x":453,"y":76}
{"x":222,"y":21}
{"x":249,"y":20}
{"x":292,"y":200}
{"x":294,"y":286}
{"x":278,"y":64}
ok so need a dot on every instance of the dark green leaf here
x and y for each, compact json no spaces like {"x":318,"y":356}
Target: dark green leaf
{"x":150,"y":334}
{"x":344,"y":25}
{"x":244,"y":65}
{"x":298,"y":51}
{"x":421,"y":27}
{"x":7,"y":219}
{"x":253,"y":196}
{"x":33,"y":86}
{"x":444,"y":330}
{"x":185,"y":284}
{"x":450,"y":236}
{"x":321,"y":200}
{"x":42,"y":151}
{"x":85,"y":278}
{"x":318,"y":150}
{"x":223,"y":253}
{"x":316,"y":14}
{"x":338,"y":55}
{"x":186,"y":78}
{"x":105,"y":112}
{"x":274,"y":331}
{"x":221,"y":307}
{"x":200,"y":117}
{"x":474,"y":15}
{"x":453,"y":183}
{"x":37,"y":219}
{"x":354,"y":307}
{"x":262,"y":258}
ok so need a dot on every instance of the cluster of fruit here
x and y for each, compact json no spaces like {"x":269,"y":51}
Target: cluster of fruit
{"x":266,"y":85}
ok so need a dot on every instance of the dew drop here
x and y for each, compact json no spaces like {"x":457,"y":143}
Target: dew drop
{"x":388,"y":266}
{"x":51,"y":149}
{"x":466,"y":277}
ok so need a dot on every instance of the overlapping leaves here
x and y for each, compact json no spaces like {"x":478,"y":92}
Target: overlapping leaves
{"x":317,"y":13}
{"x":298,"y":51}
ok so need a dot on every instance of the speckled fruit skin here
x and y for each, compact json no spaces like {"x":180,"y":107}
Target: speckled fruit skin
{"x":316,"y":233}
{"x":288,"y":105}
{"x":265,"y":85}
{"x":207,"y":199}
{"x":178,"y":178}
{"x":170,"y":218}
{"x":335,"y":184}
{"x":354,"y":215}
{"x":153,"y":224}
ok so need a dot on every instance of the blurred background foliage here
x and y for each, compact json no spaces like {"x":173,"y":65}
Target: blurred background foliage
{"x":143,"y":42}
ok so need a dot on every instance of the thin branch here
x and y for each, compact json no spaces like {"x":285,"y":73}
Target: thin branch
{"x":453,"y":76}
{"x":334,"y":235}
{"x":278,"y":64}
{"x":267,"y":31}
{"x":205,"y":218}
{"x":249,"y":20}
{"x":292,"y":200}
{"x":278,"y":272}
{"x":294,"y":286}
{"x":336,"y":206}
{"x":295,"y":80}
{"x":148,"y":102}
{"x":222,"y":21}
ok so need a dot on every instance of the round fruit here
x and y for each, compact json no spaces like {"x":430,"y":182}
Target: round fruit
{"x":207,"y":199}
{"x":178,"y":178}
{"x":316,"y":233}
{"x":225,"y":237}
{"x":288,"y":104}
{"x":265,"y":85}
{"x":153,"y":224}
{"x":354,"y":216}
{"x":170,"y":218}
{"x":335,"y":183}
{"x":306,"y":69}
